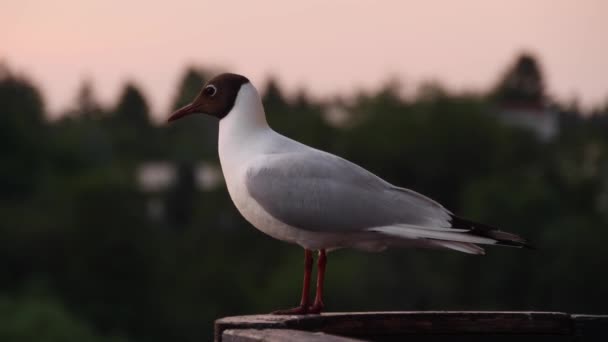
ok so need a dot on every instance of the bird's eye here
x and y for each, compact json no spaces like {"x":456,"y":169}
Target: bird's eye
{"x":210,"y":90}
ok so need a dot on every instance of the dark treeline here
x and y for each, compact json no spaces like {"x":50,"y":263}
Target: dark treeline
{"x":89,"y":252}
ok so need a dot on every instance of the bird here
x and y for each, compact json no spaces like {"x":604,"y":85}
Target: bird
{"x":317,"y":200}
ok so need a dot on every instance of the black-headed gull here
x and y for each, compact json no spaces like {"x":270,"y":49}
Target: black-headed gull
{"x":317,"y":200}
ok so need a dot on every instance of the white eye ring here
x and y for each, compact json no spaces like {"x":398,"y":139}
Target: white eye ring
{"x":210,"y":90}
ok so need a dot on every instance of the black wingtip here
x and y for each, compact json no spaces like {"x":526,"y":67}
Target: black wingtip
{"x":524,"y":245}
{"x":503,"y":238}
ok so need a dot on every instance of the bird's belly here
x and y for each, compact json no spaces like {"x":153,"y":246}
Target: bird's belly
{"x":260,"y":219}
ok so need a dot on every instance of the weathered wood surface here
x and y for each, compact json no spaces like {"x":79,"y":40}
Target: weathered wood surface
{"x":389,"y":326}
{"x":280,"y":335}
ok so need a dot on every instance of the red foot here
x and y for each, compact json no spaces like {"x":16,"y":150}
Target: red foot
{"x":298,"y":310}
{"x":316,"y":308}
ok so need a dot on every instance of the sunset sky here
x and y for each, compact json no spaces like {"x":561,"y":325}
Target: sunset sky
{"x":328,"y":47}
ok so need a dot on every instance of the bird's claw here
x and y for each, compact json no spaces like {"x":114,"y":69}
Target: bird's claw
{"x":298,"y":310}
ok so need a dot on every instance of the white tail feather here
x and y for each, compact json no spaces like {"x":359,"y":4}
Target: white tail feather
{"x":417,"y":232}
{"x":468,"y":248}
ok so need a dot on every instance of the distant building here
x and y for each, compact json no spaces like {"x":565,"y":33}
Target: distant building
{"x":538,"y":118}
{"x":521,"y":99}
{"x":157,"y":179}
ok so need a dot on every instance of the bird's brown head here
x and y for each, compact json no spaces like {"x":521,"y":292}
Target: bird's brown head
{"x":216,"y":98}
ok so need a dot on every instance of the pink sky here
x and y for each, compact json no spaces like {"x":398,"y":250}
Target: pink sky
{"x":329,"y":47}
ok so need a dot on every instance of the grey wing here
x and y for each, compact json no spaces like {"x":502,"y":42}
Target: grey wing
{"x":318,"y":191}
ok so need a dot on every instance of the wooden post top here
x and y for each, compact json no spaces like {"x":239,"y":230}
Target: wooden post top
{"x":376,"y":326}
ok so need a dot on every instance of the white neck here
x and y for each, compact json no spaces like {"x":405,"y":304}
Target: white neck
{"x":247,"y":116}
{"x":246,"y":120}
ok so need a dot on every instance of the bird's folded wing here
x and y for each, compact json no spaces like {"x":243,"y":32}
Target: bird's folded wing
{"x":318,"y":191}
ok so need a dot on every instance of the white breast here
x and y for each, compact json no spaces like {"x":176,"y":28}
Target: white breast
{"x":234,"y":167}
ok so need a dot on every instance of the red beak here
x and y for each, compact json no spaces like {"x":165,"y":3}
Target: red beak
{"x":180,"y":113}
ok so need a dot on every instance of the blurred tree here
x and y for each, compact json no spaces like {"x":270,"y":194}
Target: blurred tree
{"x":299,"y":118}
{"x":132,"y":108}
{"x":180,"y":199}
{"x":87,"y":106}
{"x":431,"y":91}
{"x":272,"y":97}
{"x":302,"y":101}
{"x":196,"y":138}
{"x":522,"y":83}
{"x":190,"y":85}
{"x":23,"y":136}
{"x":130,"y":126}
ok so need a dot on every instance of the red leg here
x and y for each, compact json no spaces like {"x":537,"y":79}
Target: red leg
{"x":305,"y":301}
{"x":318,"y":305}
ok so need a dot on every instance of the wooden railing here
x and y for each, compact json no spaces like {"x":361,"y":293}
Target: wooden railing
{"x":413,"y":326}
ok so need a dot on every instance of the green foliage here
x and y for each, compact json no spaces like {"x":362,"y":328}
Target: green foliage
{"x":75,"y":218}
{"x":39,"y":319}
